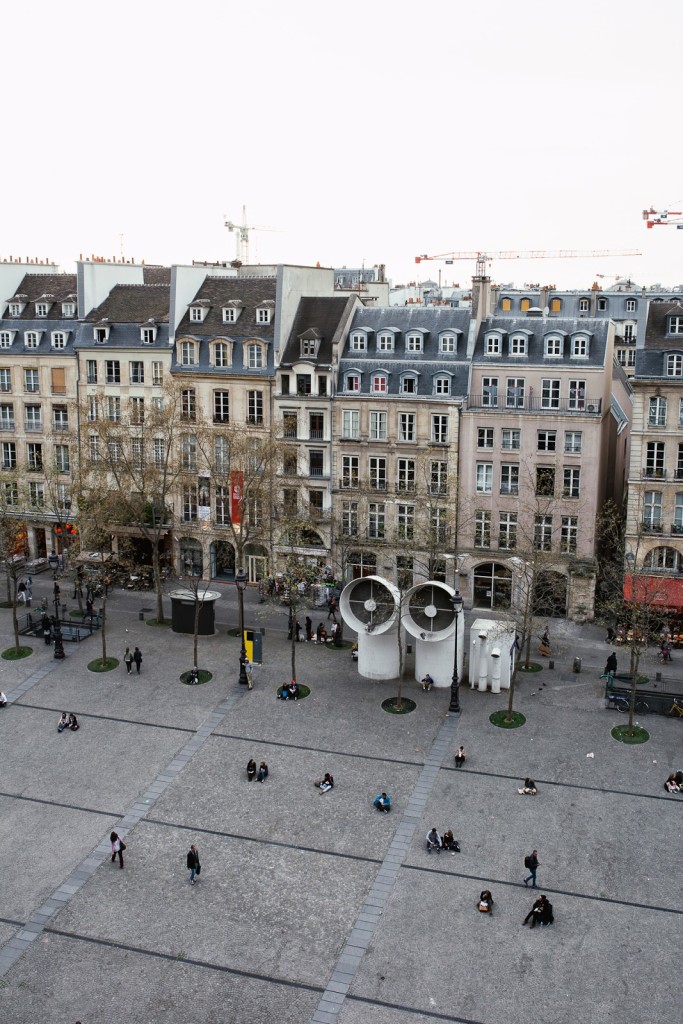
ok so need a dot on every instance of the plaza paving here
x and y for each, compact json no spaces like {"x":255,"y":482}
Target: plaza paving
{"x":313,"y":907}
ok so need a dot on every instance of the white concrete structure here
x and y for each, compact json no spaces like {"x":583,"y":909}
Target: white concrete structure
{"x":486,"y":637}
{"x":428,"y":616}
{"x":371,"y":606}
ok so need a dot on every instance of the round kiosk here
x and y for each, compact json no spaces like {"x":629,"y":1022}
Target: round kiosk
{"x":183,"y":611}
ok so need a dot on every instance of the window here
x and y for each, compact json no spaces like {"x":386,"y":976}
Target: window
{"x":405,"y":475}
{"x":148,"y":335}
{"x":553,"y":346}
{"x":290,"y":424}
{"x":492,"y":345}
{"x":485,"y":437}
{"x":11,"y":493}
{"x":663,"y":559}
{"x":652,"y":510}
{"x":188,"y":351}
{"x":438,"y":527}
{"x":358,"y":343}
{"x":91,"y":371}
{"x":33,"y":419}
{"x":42,"y":309}
{"x":509,"y":478}
{"x":316,"y":426}
{"x":290,"y":502}
{"x":442,"y":385}
{"x":190,"y":503}
{"x":543,"y":533}
{"x":31,"y":381}
{"x":577,"y":394}
{"x":221,"y":354}
{"x":680,"y":412}
{"x":350,"y":423}
{"x":654,"y":459}
{"x":316,"y":464}
{"x":255,"y":407}
{"x":550,"y":394}
{"x":255,"y":359}
{"x":629,"y":332}
{"x":489,"y":397}
{"x":507,"y":531}
{"x":512,"y":440}
{"x":385,"y":343}
{"x":112,"y":371}
{"x":137,"y":410}
{"x":188,"y":404}
{"x":408,"y":385}
{"x":674,"y":364}
{"x":221,"y":454}
{"x":378,"y":426}
{"x":545,"y":481}
{"x":525,"y":305}
{"x":572,"y":441}
{"x":569,"y":534}
{"x":304,"y":384}
{"x":376,"y":514}
{"x":322,"y":384}
{"x":34,"y":457}
{"x":547,"y":440}
{"x":6,"y":339}
{"x":484,"y":478}
{"x":352,"y":382}
{"x":8,"y":455}
{"x":136,"y":372}
{"x":315,"y":504}
{"x":447,"y":343}
{"x":676,"y":325}
{"x":517,"y":345}
{"x":505,"y":305}
{"x":378,"y":384}
{"x":439,"y":430}
{"x":263,"y":316}
{"x":555,"y":305}
{"x":406,"y":426}
{"x":32,"y":339}
{"x":677,"y":525}
{"x":94,"y":447}
{"x":405,"y":522}
{"x":159,"y":451}
{"x":222,"y":505}
{"x":349,"y":471}
{"x":100,"y":335}
{"x":414,"y":343}
{"x":571,"y":485}
{"x":113,"y":408}
{"x":229,"y":315}
{"x":157,"y":373}
{"x":58,"y":380}
{"x":438,"y":478}
{"x":6,"y":417}
{"x":196,"y":314}
{"x":631,"y":305}
{"x":405,"y":572}
{"x":378,"y":473}
{"x":482,"y":530}
{"x":15,"y":308}
{"x":221,"y":407}
{"x":60,"y":418}
{"x":657,"y":414}
{"x":579,"y":347}
{"x":350,"y":518}
{"x":58,"y":339}
{"x":602,"y":305}
{"x":188,"y":452}
{"x":284,"y":384}
{"x":514,"y":393}
{"x":679,"y":462}
{"x":36,"y":494}
{"x":62,"y":459}
{"x":626,"y":357}
{"x":93,"y":408}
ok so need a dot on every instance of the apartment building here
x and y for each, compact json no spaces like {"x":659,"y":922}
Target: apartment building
{"x":543,"y":443}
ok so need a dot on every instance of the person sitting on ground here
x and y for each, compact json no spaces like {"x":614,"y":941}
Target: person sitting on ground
{"x":251,"y":769}
{"x":449,"y":842}
{"x":63,"y":722}
{"x":427,"y":682}
{"x":609,"y":639}
{"x":354,"y":652}
{"x":485,"y":902}
{"x":3,"y":699}
{"x":679,"y":778}
{"x":262,"y":774}
{"x":433,"y":840}
{"x":283,"y":692}
{"x":547,"y":916}
{"x":460,"y":757}
{"x":293,"y":690}
{"x":320,"y":634}
{"x":73,"y":722}
{"x":540,"y":913}
{"x":326,"y":783}
{"x":382,"y":802}
{"x":529,"y":788}
{"x":671,"y":786}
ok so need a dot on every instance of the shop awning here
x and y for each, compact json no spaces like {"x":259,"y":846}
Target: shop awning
{"x":656,"y":591}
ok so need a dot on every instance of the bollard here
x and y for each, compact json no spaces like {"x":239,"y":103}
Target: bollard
{"x":577,"y":664}
{"x":141,"y":616}
{"x":551,"y":663}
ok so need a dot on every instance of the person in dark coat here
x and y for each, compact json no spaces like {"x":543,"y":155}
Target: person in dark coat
{"x":47,"y":629}
{"x":611,"y":665}
{"x":332,"y":608}
{"x":251,"y":769}
{"x":193,"y":863}
{"x":137,"y":658}
{"x":309,"y":629}
{"x":540,"y":913}
{"x":262,"y":773}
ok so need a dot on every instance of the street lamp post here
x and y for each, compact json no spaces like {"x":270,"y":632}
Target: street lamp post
{"x":456,"y":601}
{"x":241,"y":580}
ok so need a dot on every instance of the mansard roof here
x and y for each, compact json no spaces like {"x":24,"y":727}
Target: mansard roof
{"x":133,"y":304}
{"x":216,"y":293}
{"x":537,"y":329}
{"x":323,"y":317}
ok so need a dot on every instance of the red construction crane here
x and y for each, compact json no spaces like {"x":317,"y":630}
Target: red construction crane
{"x":482,"y":258}
{"x":659,"y":218}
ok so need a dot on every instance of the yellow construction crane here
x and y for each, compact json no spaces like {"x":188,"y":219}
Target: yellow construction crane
{"x":482,"y":258}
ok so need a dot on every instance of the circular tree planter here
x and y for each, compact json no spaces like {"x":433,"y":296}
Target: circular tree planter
{"x":620,"y":734}
{"x":345,"y":645}
{"x":98,"y":666}
{"x":76,"y":614}
{"x":303,"y":690}
{"x":498,"y":718}
{"x":155,"y":622}
{"x":203,"y":676}
{"x":11,"y":653}
{"x":5,"y":604}
{"x":533,"y":667}
{"x":406,"y":706}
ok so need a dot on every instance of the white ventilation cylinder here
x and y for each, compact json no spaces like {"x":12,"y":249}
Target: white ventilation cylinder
{"x":370,"y":605}
{"x":429,"y":616}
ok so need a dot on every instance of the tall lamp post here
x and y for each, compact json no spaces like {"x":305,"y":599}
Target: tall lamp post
{"x":456,"y":601}
{"x":241,"y":580}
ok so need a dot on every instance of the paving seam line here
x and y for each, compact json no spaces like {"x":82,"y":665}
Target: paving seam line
{"x":17,"y":945}
{"x":363,"y":928}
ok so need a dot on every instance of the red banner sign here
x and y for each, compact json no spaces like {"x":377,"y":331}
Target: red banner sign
{"x":236,"y":496}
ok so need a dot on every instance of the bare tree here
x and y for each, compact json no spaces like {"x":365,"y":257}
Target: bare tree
{"x":12,"y":533}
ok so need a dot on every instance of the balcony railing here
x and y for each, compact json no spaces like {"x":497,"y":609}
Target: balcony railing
{"x":316,"y":471}
{"x":60,"y":425}
{"x":649,"y":526}
{"x":33,"y":426}
{"x":403,"y":487}
{"x":583,"y":407}
{"x":319,"y":513}
{"x":315,"y":435}
{"x":653,"y":473}
{"x":678,"y":473}
{"x":290,"y":432}
{"x":677,"y":528}
{"x":509,"y":488}
{"x":6,"y":424}
{"x":349,"y":483}
{"x":377,"y":485}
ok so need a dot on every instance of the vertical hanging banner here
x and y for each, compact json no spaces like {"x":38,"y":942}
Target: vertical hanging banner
{"x":236,"y":494}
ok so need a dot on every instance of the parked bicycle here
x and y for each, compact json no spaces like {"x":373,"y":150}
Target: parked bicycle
{"x":676,"y":708}
{"x":622,"y":704}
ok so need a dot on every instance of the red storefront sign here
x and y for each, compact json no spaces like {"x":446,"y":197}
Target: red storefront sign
{"x":656,"y":591}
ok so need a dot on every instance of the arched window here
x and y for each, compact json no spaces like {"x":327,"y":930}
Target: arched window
{"x":442,"y":385}
{"x":662,"y":560}
{"x":505,"y":305}
{"x":222,"y":355}
{"x":524,"y":305}
{"x":555,"y":305}
{"x":379,"y":384}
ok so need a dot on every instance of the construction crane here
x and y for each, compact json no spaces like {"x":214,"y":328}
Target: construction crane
{"x":482,"y":258}
{"x":242,"y":236}
{"x":661,"y":218}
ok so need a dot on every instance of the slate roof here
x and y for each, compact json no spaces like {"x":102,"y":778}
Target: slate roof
{"x":539,"y":328}
{"x":62,"y":288}
{"x":218,"y":291}
{"x":324,"y":316}
{"x":133,"y":304}
{"x":156,"y":275}
{"x":656,"y":336}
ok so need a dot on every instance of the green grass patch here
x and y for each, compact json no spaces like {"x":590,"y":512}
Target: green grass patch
{"x":203,"y":675}
{"x":99,"y":666}
{"x":621,"y":734}
{"x":11,"y":653}
{"x":76,"y":613}
{"x":345,"y":645}
{"x":303,"y":690}
{"x":6,"y":604}
{"x":533,"y":667}
{"x":155,"y":622}
{"x":499,"y":719}
{"x":390,"y":706}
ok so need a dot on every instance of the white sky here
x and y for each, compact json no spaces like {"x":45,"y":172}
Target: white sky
{"x":370,"y":131}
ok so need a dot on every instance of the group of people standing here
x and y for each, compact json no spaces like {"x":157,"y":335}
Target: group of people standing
{"x":132,"y":656}
{"x":252,"y":773}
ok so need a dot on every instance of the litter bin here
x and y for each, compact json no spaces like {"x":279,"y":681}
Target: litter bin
{"x":577,"y":664}
{"x":253,"y":644}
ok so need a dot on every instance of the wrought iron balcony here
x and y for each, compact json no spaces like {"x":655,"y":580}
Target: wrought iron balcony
{"x":532,"y":404}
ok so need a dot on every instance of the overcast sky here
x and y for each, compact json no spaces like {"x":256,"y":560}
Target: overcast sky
{"x":359,"y":131}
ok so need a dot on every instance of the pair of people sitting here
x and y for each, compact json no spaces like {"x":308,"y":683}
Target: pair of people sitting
{"x":445,"y":842}
{"x":382,"y":802}
{"x":67,"y":721}
{"x":674,"y":783}
{"x":540,"y":913}
{"x":3,"y":699}
{"x":529,"y":788}
{"x":290,"y":691}
{"x":326,"y":783}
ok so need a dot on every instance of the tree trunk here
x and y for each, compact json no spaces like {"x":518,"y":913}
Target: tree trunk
{"x":195,"y":655}
{"x":527,"y":652}
{"x":635,"y":661}
{"x":399,"y":696}
{"x":103,"y":627}
{"x":292,"y":612}
{"x":15,"y":620}
{"x":511,"y":694}
{"x":156,"y":569}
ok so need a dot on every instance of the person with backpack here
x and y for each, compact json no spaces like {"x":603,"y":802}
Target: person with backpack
{"x":117,"y":847}
{"x":137,"y":658}
{"x":531,"y":862}
{"x":128,"y":660}
{"x":193,"y":864}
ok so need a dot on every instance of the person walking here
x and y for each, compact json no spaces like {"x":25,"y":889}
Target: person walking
{"x":249,"y":669}
{"x":137,"y":658}
{"x":611,"y":665}
{"x":29,"y":591}
{"x":128,"y":660}
{"x":460,"y":757}
{"x":117,"y":847}
{"x":332,"y":608}
{"x":532,"y":863}
{"x":309,"y":629}
{"x":193,"y":863}
{"x":251,"y":769}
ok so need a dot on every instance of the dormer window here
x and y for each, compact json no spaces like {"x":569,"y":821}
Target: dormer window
{"x":442,"y":385}
{"x":505,"y":305}
{"x":674,"y":365}
{"x":631,"y":305}
{"x":42,"y":309}
{"x":584,"y":305}
{"x":358,"y":342}
{"x":100,"y":334}
{"x":555,"y":305}
{"x":414,"y":342}
{"x":69,"y":310}
{"x":517,"y":345}
{"x":675,"y":325}
{"x":379,"y":384}
{"x":309,"y":347}
{"x":580,"y":347}
{"x":263,"y":315}
{"x":229,"y":315}
{"x":32,"y":339}
{"x":492,"y":345}
{"x":59,"y":339}
{"x":198,"y":313}
{"x":16,"y":308}
{"x":255,"y":359}
{"x":148,"y":335}
{"x":602,"y":305}
{"x":221,"y":354}
{"x":385,"y":342}
{"x":6,"y":338}
{"x":524,"y":305}
{"x":448,"y":343}
{"x":409,"y":384}
{"x":352,"y":382}
{"x":188,"y":353}
{"x":554,"y":346}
